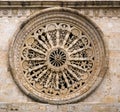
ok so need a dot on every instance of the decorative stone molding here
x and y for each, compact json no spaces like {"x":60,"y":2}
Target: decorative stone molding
{"x":109,"y":13}
{"x":82,"y":107}
{"x":60,"y":3}
{"x":87,"y":8}
{"x":58,"y":56}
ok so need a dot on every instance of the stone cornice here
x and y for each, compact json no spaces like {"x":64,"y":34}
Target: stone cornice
{"x":61,"y":3}
{"x":23,"y":107}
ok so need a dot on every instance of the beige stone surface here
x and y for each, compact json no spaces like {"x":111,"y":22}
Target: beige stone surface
{"x":84,"y":107}
{"x":108,"y":92}
{"x":70,"y":89}
{"x":109,"y":89}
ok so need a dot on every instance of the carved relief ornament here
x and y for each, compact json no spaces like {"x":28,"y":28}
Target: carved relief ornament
{"x":58,"y":56}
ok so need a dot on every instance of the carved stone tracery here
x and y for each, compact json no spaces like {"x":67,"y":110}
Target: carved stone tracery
{"x":58,"y":58}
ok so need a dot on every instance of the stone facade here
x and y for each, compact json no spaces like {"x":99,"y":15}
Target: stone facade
{"x":106,"y":15}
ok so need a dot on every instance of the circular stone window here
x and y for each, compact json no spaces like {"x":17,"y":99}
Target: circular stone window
{"x":58,"y":56}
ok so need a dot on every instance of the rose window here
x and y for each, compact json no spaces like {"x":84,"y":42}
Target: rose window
{"x":58,"y":56}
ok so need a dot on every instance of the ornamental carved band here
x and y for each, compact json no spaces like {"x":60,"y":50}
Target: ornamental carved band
{"x":58,"y":56}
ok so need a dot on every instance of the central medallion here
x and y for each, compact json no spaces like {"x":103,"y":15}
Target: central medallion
{"x":57,"y":57}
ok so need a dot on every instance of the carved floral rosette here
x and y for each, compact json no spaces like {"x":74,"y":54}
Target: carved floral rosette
{"x":58,"y":56}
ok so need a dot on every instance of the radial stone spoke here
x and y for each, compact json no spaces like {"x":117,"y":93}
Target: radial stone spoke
{"x":49,"y":38}
{"x":42,"y":43}
{"x":57,"y":82}
{"x":65,"y":39}
{"x":66,"y":80}
{"x":36,"y":50}
{"x":75,"y":51}
{"x":40,"y":75}
{"x":48,"y":80}
{"x":73,"y":74}
{"x":35,"y":68}
{"x":79,"y":59}
{"x":36,"y":73}
{"x":73,"y":42}
{"x":77,"y":67}
{"x":35,"y":59}
{"x":58,"y":36}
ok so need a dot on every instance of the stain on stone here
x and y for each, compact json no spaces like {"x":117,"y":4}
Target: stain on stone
{"x":103,"y":109}
{"x":76,"y":4}
{"x":14,"y":109}
{"x":9,"y":3}
{"x":108,"y":99}
{"x":62,"y":4}
{"x":23,"y":24}
{"x":25,"y":4}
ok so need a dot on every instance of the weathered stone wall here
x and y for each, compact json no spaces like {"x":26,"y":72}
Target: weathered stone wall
{"x":108,"y":19}
{"x":33,"y":107}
